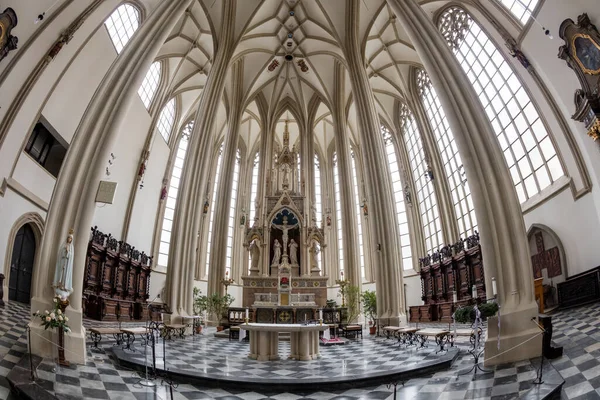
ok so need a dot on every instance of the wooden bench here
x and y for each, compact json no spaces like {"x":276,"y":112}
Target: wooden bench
{"x":441,"y":336}
{"x":353,"y":330}
{"x":390,"y":331}
{"x":129,"y":336}
{"x":96,"y":335}
{"x":178,"y":329}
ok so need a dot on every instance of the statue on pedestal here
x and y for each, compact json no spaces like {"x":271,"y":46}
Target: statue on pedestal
{"x":63,"y":274}
{"x":314,"y":249}
{"x":254,"y":254}
{"x":277,"y":251}
{"x":293,"y":252}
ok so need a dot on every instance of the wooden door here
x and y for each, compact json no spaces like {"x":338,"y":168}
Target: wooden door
{"x":21,"y":265}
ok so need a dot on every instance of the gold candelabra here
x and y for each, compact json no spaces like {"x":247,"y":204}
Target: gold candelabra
{"x":226,"y":281}
{"x":343,"y":283}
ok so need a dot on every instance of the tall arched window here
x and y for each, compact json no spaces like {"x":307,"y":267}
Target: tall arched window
{"x":527,"y":147}
{"x":167,"y":225}
{"x":150,"y":84}
{"x":338,"y":213}
{"x":318,"y":200}
{"x":166,"y":120}
{"x":211,"y":220}
{"x":430,"y":216}
{"x":521,"y":9}
{"x":122,"y":24}
{"x":232,"y":208}
{"x":453,"y":166}
{"x":357,"y":203}
{"x":254,"y":187}
{"x":399,"y":199}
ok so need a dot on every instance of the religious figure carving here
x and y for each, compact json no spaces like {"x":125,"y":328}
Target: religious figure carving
{"x":293,"y":252}
{"x":286,"y":171}
{"x":254,"y":254}
{"x":277,"y":251}
{"x":285,"y":228}
{"x":63,"y":274}
{"x":315,"y":255}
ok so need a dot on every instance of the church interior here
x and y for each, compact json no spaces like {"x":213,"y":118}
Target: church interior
{"x":299,"y":199}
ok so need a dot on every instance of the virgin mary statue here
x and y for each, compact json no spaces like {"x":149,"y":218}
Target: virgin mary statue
{"x":63,"y":274}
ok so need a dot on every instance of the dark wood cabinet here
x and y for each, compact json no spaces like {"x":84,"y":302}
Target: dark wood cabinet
{"x":454,"y":268}
{"x":117,"y":280}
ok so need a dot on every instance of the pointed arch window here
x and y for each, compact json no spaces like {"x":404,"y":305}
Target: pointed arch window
{"x":150,"y":84}
{"x":521,"y":9}
{"x":232,"y":208}
{"x":122,"y":24}
{"x":254,"y":187}
{"x":453,"y":166}
{"x":361,"y":250}
{"x":318,"y":200}
{"x":399,"y":200}
{"x":528,"y":149}
{"x":211,"y":220}
{"x":166,"y":120}
{"x":167,"y":225}
{"x":338,"y":213}
{"x":426,"y":198}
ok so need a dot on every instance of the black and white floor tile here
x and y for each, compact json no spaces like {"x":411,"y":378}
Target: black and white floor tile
{"x":578,"y":330}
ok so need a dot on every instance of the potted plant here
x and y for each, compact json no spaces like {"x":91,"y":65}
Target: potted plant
{"x":330,"y":303}
{"x":200,"y":305}
{"x":352,"y":294}
{"x":467,"y":314}
{"x":369,"y":303}
{"x":218,"y":305}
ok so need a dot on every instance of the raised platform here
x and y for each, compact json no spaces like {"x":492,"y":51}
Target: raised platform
{"x":216,"y":362}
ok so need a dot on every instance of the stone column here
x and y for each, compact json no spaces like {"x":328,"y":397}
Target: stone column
{"x":503,"y":238}
{"x":349,"y":226}
{"x":73,"y":200}
{"x":385,"y":238}
{"x":188,"y":211}
{"x":220,"y":228}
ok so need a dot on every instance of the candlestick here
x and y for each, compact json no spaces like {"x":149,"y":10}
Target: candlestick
{"x":321,"y":314}
{"x":247,"y":313}
{"x":474,"y":291}
{"x":494,"y":287}
{"x":455,"y":297}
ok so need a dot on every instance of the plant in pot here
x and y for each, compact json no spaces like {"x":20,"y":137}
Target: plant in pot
{"x":218,"y":305}
{"x":200,"y":305}
{"x":330,"y":303}
{"x":352,"y":295}
{"x":467,"y":314}
{"x":369,"y":303}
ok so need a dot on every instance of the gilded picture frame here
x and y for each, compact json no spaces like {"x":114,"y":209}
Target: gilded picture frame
{"x":586,"y":52}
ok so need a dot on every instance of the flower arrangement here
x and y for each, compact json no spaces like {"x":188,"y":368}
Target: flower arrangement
{"x":55,"y":318}
{"x":284,"y":281}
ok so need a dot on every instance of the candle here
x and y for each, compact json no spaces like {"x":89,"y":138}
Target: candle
{"x":321,"y":314}
{"x":226,"y":274}
{"x":474,"y":290}
{"x":342,"y":275}
{"x":455,"y":297}
{"x":247,"y":313}
{"x":494,"y":287}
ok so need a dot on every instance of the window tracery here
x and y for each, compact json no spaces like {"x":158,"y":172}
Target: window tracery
{"x":358,"y":211}
{"x":338,"y":213}
{"x":122,"y":24}
{"x":166,"y":120}
{"x":150,"y":84}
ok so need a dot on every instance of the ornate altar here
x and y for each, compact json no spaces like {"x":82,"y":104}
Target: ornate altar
{"x":581,"y":51}
{"x":284,"y":277}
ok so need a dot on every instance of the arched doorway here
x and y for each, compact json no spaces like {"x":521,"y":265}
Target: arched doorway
{"x":21,"y":265}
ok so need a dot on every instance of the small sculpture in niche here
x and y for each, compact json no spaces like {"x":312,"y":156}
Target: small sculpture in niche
{"x":8,"y":42}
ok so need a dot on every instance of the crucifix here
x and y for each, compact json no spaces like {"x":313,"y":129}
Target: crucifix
{"x":285,"y":228}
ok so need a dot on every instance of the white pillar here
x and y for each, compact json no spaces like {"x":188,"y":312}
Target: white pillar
{"x":73,"y":200}
{"x":503,"y":238}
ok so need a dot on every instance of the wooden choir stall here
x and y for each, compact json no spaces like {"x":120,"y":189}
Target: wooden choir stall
{"x":454,"y":268}
{"x":116,"y":280}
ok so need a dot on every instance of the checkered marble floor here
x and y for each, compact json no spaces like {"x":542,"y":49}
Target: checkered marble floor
{"x":578,"y":330}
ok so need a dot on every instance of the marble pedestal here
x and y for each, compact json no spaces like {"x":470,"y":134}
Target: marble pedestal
{"x":264,"y":341}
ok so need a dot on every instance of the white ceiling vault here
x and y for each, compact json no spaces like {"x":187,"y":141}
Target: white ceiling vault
{"x":275,"y":88}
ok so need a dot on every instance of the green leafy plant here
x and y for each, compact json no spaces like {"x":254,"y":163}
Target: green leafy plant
{"x":53,"y":319}
{"x":200,"y":303}
{"x":369,"y":303}
{"x":330,"y":303}
{"x":352,"y":295}
{"x":467,"y":314}
{"x":218,"y":305}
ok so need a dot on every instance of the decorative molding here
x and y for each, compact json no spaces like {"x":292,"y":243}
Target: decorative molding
{"x":24,"y":192}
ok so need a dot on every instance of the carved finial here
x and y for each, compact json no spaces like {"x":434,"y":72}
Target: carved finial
{"x":71,"y":231}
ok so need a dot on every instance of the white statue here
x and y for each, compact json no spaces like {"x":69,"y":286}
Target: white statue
{"x":315,"y":255}
{"x":254,"y":254}
{"x":63,"y":274}
{"x":277,"y":251}
{"x":293,"y":252}
{"x":286,"y":171}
